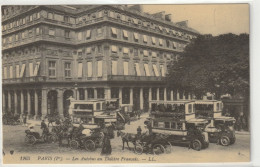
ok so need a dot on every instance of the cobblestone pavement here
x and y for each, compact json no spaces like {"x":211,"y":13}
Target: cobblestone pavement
{"x":13,"y":139}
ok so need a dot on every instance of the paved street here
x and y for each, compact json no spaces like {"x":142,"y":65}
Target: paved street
{"x":13,"y":137}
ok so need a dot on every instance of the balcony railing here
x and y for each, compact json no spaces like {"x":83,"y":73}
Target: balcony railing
{"x":134,"y":78}
{"x":25,"y":79}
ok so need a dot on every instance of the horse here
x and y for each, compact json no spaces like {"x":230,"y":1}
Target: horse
{"x":52,"y":118}
{"x":127,"y":137}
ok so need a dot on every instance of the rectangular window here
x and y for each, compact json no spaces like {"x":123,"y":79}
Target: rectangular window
{"x":160,"y":42}
{"x":80,"y":36}
{"x":114,"y":67}
{"x":154,"y":55}
{"x":162,"y":70}
{"x":114,"y":49}
{"x":88,"y":34}
{"x":36,"y":69}
{"x":99,"y":69}
{"x":153,"y":40}
{"x":146,"y":69}
{"x":145,"y":53}
{"x":125,"y":68}
{"x":145,"y":39}
{"x":5,"y":72}
{"x":114,"y":32}
{"x":125,"y":34}
{"x":89,"y":69}
{"x":31,"y":18}
{"x":135,"y":36}
{"x":137,"y":69}
{"x":37,"y":31}
{"x":88,"y":50}
{"x":66,"y":19}
{"x":16,"y":37}
{"x":99,"y":32}
{"x":173,"y":125}
{"x":11,"y":71}
{"x":51,"y":32}
{"x":155,"y":70}
{"x":67,"y":69}
{"x":167,"y":124}
{"x":30,"y":69}
{"x":23,"y":35}
{"x":50,"y":15}
{"x":52,"y":68}
{"x":80,"y":70}
{"x":23,"y":20}
{"x":22,"y":71}
{"x":125,"y":50}
{"x":174,"y":45}
{"x":67,"y":34}
{"x":17,"y":71}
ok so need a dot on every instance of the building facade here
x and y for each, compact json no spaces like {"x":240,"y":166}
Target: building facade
{"x":50,"y":53}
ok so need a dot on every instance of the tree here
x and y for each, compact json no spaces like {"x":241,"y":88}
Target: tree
{"x":218,"y":65}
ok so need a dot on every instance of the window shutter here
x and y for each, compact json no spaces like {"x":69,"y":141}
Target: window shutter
{"x":145,"y":38}
{"x":80,"y":70}
{"x":114,"y":31}
{"x":136,"y":36}
{"x":17,"y":71}
{"x":125,"y":34}
{"x":160,"y":41}
{"x":162,"y":70}
{"x":36,"y":69}
{"x":89,"y":69}
{"x":88,"y":34}
{"x":146,"y":68}
{"x":99,"y":74}
{"x":11,"y":72}
{"x":137,"y":68}
{"x":22,"y":71}
{"x":155,"y":70}
{"x":153,"y":40}
{"x":31,"y":69}
{"x":114,"y":67}
{"x":125,"y":68}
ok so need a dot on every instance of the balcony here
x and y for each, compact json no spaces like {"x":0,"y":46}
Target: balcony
{"x":24,"y":80}
{"x":134,"y":78}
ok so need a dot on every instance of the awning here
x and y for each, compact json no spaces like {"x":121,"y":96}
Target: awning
{"x":125,"y":34}
{"x":135,"y":36}
{"x":125,"y":50}
{"x":114,"y":48}
{"x":114,"y":31}
{"x":145,"y":53}
{"x":153,"y":40}
{"x":36,"y":69}
{"x":154,"y":54}
{"x":88,"y":50}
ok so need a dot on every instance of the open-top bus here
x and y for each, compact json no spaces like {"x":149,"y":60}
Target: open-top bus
{"x":221,"y":128}
{"x":177,"y":120}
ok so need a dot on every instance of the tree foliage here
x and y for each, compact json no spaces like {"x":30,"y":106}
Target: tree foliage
{"x":218,"y":65}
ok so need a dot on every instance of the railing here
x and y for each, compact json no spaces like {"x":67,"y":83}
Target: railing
{"x":25,"y":79}
{"x":133,"y":78}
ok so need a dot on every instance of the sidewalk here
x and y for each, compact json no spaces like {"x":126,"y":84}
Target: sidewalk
{"x":243,"y":132}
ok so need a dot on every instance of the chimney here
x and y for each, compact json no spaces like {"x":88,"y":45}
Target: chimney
{"x":138,"y":8}
{"x":168,"y":17}
{"x":159,"y":15}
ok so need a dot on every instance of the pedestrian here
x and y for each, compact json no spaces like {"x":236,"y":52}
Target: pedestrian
{"x":139,"y":131}
{"x":44,"y":128}
{"x":24,"y":119}
{"x":106,"y":147}
{"x":139,"y":114}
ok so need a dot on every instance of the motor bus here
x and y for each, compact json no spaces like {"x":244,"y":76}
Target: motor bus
{"x":177,"y":120}
{"x":220,"y":128}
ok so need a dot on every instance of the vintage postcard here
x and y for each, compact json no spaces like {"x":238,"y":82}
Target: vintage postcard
{"x":115,"y":84}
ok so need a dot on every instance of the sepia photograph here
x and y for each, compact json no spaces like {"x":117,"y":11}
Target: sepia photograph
{"x":119,"y":84}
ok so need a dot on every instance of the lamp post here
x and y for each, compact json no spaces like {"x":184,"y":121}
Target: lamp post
{"x":76,"y":90}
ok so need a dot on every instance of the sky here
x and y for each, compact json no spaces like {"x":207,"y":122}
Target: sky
{"x":208,"y":19}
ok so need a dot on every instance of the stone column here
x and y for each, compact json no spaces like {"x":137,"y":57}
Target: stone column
{"x":171,"y":95}
{"x":78,"y":94}
{"x":178,"y":95}
{"x":158,"y":94}
{"x":131,"y":96}
{"x":29,"y":103}
{"x":141,"y":99}
{"x":107,"y":93}
{"x":3,"y":102}
{"x":150,"y":97}
{"x":95,"y":93}
{"x":165,"y":94}
{"x":22,"y":102}
{"x":15,"y":102}
{"x":60,"y":102}
{"x":9,"y":100}
{"x":35,"y":104}
{"x":86,"y":93}
{"x":120,"y":96}
{"x":44,"y":103}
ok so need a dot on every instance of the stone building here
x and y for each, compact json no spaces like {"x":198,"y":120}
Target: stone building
{"x":50,"y":53}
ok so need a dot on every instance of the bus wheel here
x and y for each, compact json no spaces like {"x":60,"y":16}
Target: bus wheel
{"x":89,"y":145}
{"x":196,"y":145}
{"x":74,"y":144}
{"x":224,"y":140}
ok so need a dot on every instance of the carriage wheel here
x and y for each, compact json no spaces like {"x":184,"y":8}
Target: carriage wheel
{"x":30,"y":139}
{"x":139,"y":149}
{"x":89,"y":145}
{"x":52,"y":138}
{"x":74,"y":144}
{"x":225,"y":141}
{"x":158,"y":149}
{"x":196,"y":145}
{"x":168,"y":147}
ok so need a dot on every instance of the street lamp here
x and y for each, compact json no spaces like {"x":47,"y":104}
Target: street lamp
{"x":76,"y":90}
